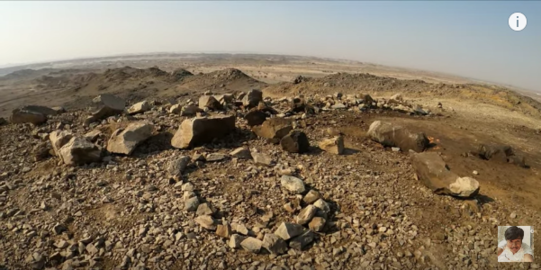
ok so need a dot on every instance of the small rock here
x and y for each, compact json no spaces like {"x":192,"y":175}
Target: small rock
{"x":323,"y":208}
{"x":176,"y":167}
{"x":58,"y":139}
{"x":236,"y":240}
{"x":207,"y":222}
{"x":139,"y":107}
{"x":339,"y":106}
{"x":189,"y":110}
{"x":191,"y":204}
{"x":262,"y":159}
{"x":187,"y":187}
{"x":215,"y":157}
{"x":59,"y":228}
{"x":79,"y":151}
{"x":106,"y":105}
{"x":513,"y":215}
{"x":475,"y":172}
{"x":301,"y":241}
{"x":337,"y":251}
{"x":240,"y":228}
{"x":223,"y":230}
{"x":306,"y":214}
{"x":210,"y":102}
{"x":187,"y":195}
{"x":273,"y":129}
{"x":333,"y":146}
{"x":91,"y":249}
{"x":292,"y":184}
{"x":317,"y":224}
{"x":255,"y":117}
{"x":175,"y":109}
{"x":289,"y":207}
{"x":274,"y":244}
{"x":242,"y":153}
{"x":61,"y":244}
{"x":311,"y":196}
{"x":204,"y":209}
{"x":252,"y":244}
{"x":295,"y":141}
{"x":289,"y":230}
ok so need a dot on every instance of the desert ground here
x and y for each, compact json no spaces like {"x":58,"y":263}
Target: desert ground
{"x":130,"y":211}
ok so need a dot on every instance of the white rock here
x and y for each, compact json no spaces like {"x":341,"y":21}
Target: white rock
{"x":292,"y":184}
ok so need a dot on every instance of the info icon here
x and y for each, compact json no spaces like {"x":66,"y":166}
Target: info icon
{"x":517,"y":21}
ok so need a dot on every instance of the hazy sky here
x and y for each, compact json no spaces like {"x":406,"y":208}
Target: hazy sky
{"x":471,"y":39}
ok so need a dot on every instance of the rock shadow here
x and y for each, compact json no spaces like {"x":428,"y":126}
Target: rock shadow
{"x":350,"y":151}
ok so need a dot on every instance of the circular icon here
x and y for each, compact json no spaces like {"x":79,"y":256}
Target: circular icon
{"x":517,"y":21}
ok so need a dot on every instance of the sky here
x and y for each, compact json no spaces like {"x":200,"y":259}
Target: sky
{"x":471,"y":39}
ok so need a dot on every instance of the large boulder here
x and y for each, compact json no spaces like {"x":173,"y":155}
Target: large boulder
{"x":19,"y":116}
{"x":500,"y":153}
{"x":58,"y":139}
{"x":79,"y":151}
{"x":40,"y":109}
{"x":124,"y":141}
{"x":494,"y":152}
{"x":252,"y":98}
{"x":202,"y":130}
{"x":391,"y":135}
{"x":106,"y":105}
{"x":295,"y":141}
{"x":139,"y":107}
{"x":210,"y":102}
{"x":433,"y":173}
{"x":273,"y":129}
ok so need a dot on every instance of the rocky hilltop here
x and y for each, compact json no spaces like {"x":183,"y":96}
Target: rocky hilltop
{"x":242,"y":181}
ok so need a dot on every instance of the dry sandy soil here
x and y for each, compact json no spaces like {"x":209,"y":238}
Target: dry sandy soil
{"x":368,"y":188}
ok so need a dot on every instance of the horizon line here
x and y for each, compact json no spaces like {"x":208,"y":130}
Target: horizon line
{"x":22,"y":65}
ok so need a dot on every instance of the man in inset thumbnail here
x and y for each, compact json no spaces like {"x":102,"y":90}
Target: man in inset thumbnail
{"x":512,"y":249}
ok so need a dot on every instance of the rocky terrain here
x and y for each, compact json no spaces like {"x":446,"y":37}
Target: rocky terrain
{"x":147,"y":169}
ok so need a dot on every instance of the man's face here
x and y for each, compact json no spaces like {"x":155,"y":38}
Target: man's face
{"x":514,"y":245}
